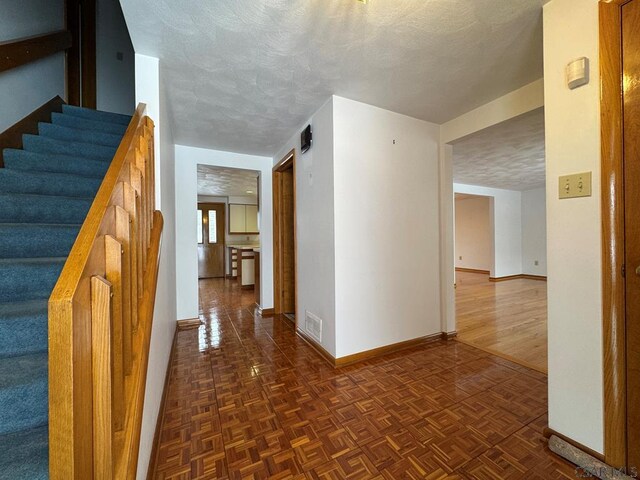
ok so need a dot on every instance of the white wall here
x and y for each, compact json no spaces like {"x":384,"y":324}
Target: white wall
{"x":315,"y":269}
{"x":474,"y":235}
{"x":115,"y":78}
{"x":507,"y":228}
{"x":534,"y":232}
{"x":386,"y":227}
{"x":572,"y":125}
{"x":187,"y":160}
{"x":151,"y":90}
{"x":26,"y":88}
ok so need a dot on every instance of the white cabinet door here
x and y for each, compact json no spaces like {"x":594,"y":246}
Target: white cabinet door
{"x":251,"y":217}
{"x":237,"y":219}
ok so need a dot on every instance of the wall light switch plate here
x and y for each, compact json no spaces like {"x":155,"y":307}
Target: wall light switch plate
{"x":575,"y":186}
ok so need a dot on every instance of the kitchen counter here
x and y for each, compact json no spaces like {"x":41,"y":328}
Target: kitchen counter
{"x":243,"y":246}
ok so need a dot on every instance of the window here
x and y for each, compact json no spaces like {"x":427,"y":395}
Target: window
{"x":213,"y":227}
{"x":200,"y":233}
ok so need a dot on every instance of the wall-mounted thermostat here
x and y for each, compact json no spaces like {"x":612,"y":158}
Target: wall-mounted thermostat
{"x":578,"y":73}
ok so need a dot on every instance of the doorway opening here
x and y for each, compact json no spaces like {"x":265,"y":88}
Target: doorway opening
{"x":228,"y":223}
{"x":500,"y":240}
{"x":284,"y":237}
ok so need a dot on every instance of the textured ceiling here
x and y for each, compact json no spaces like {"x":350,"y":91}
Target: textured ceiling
{"x":243,"y":75}
{"x":510,"y":155}
{"x":226,"y":182}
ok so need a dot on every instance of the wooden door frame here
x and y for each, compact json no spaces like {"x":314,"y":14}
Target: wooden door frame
{"x":613,"y":233}
{"x":288,"y":161}
{"x":80,"y":20}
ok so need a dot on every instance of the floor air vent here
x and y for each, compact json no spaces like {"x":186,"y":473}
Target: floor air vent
{"x":313,"y":326}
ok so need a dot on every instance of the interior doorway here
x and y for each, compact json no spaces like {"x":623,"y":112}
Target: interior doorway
{"x":211,"y":240}
{"x":284,"y":236}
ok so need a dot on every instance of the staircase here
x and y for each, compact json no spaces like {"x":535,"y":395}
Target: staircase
{"x":46,"y":190}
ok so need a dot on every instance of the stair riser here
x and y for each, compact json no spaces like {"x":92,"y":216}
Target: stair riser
{"x":32,"y":143}
{"x":56,"y":210}
{"x":20,"y":281}
{"x":23,"y":407}
{"x":86,"y":124}
{"x":25,"y":242}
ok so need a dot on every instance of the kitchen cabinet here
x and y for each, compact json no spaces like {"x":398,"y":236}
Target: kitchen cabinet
{"x":243,"y":219}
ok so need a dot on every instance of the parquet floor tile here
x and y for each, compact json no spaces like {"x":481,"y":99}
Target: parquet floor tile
{"x":249,"y":399}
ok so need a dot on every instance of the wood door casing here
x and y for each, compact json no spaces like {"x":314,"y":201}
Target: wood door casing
{"x":631,"y":136}
{"x":287,"y":229}
{"x":284,"y":235}
{"x":211,"y":255}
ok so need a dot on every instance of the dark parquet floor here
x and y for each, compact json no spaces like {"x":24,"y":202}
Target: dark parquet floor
{"x":247,"y":398}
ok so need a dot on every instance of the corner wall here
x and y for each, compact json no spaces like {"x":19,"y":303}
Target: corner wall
{"x":572,"y":124}
{"x":315,"y":272}
{"x":26,"y":88}
{"x":387,"y":281}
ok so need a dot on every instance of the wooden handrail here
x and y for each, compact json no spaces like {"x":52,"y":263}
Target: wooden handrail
{"x":100,"y":317}
{"x":21,"y":51}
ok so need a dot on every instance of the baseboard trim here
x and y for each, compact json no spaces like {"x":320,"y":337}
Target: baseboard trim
{"x":473,"y":270}
{"x":317,"y":347}
{"x":447,"y":336}
{"x":188,"y":324}
{"x":518,"y":277}
{"x":549,"y":432}
{"x":386,"y":350}
{"x":266,"y":312}
{"x":153,"y":459}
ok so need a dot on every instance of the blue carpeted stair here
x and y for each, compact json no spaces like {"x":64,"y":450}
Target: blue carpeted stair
{"x":46,"y":190}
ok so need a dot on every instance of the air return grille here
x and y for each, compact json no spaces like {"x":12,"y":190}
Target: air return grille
{"x":313,"y":326}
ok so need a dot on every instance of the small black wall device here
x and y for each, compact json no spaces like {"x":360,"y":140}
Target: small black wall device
{"x":305,"y":139}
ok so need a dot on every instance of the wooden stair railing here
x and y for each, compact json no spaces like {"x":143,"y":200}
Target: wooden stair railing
{"x":100,"y":318}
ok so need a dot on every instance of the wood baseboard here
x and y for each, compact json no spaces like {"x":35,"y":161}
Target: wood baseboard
{"x":386,"y":350}
{"x":473,"y":270}
{"x":188,"y":324}
{"x":12,"y":136}
{"x":317,"y":347}
{"x":153,"y":459}
{"x":518,"y":277}
{"x":446,"y":336}
{"x":266,"y":312}
{"x":247,"y":287}
{"x":548,"y":432}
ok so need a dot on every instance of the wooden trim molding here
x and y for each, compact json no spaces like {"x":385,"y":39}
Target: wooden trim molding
{"x":374,"y":353}
{"x":188,"y":324}
{"x":12,"y":137}
{"x":266,"y":312}
{"x":153,"y":458}
{"x":472,"y":270}
{"x":518,"y":277}
{"x":447,"y":336}
{"x":548,"y":432}
{"x":612,"y":191}
{"x":15,"y":53}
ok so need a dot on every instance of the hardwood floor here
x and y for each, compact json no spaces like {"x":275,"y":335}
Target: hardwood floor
{"x":505,"y":318}
{"x":248,"y":398}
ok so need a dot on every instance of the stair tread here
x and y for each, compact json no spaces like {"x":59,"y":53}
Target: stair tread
{"x":64,"y":133}
{"x":33,"y":182}
{"x":25,"y":455}
{"x":23,"y":370}
{"x":87,"y":124}
{"x":25,"y":307}
{"x":37,"y":143}
{"x":23,"y":327}
{"x":94,"y":114}
{"x":24,"y":161}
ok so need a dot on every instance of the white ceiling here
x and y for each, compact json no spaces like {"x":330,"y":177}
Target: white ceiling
{"x":510,"y":155}
{"x":243,"y":75}
{"x":226,"y":182}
